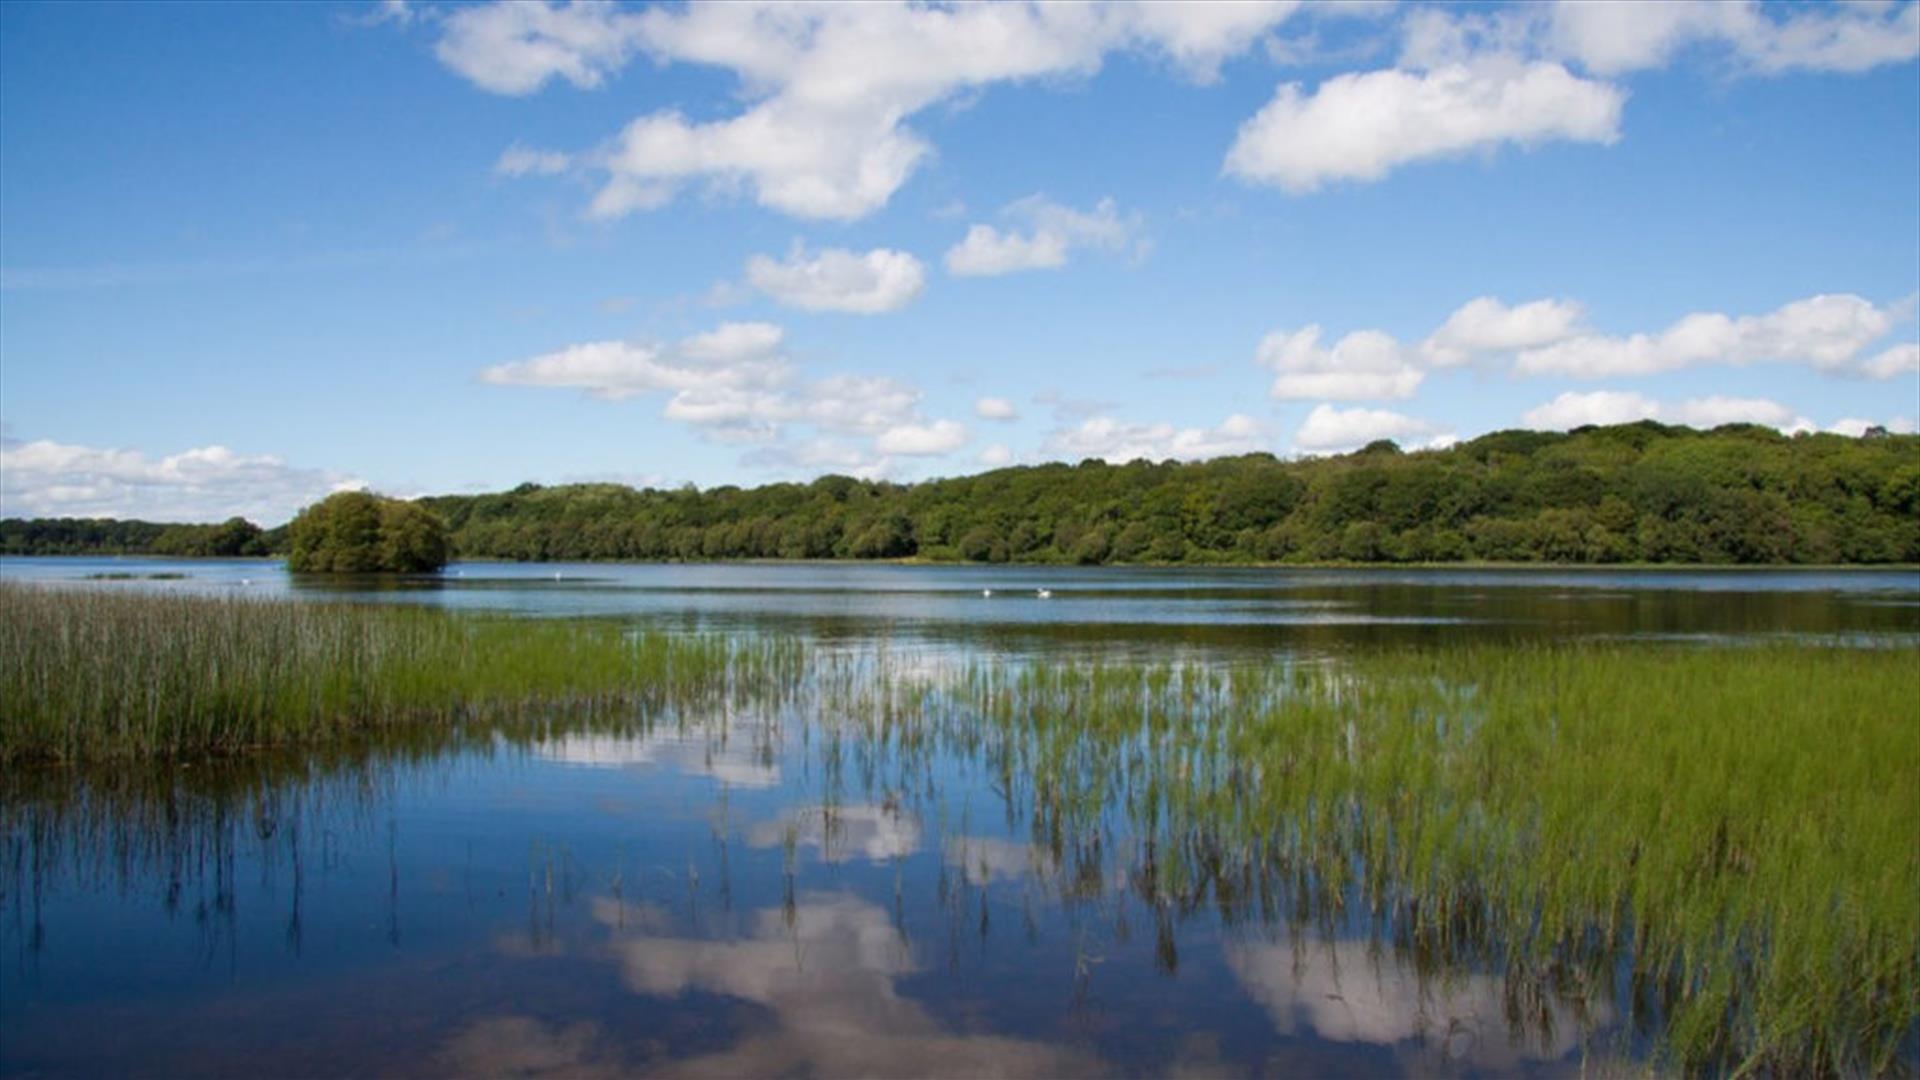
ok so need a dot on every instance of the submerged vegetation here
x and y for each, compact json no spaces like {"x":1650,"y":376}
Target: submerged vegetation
{"x":1644,"y":492}
{"x":1711,"y":848}
{"x":91,"y":675}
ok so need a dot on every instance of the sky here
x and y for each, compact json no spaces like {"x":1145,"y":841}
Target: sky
{"x":251,"y":254}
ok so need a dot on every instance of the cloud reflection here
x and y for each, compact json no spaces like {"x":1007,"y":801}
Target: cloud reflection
{"x":737,"y":763}
{"x":1351,"y":991}
{"x":825,"y":968}
{"x":874,"y":832}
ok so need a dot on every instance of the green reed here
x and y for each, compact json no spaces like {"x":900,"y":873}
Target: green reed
{"x":1741,"y":824}
{"x":89,"y":675}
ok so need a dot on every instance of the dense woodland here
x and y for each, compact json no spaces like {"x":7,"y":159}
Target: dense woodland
{"x":1640,"y":492}
{"x":233,"y":538}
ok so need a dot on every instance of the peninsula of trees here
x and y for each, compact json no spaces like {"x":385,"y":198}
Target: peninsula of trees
{"x":1641,"y":492}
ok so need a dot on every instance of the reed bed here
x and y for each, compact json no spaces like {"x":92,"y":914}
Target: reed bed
{"x":1742,"y":825}
{"x":95,"y":675}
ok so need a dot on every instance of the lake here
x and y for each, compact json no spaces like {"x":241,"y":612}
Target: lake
{"x":773,"y":890}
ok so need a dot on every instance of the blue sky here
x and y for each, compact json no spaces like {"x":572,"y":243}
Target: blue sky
{"x":251,"y":253}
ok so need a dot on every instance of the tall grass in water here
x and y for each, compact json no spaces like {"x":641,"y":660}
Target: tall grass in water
{"x":1736,"y":831}
{"x":91,"y":675}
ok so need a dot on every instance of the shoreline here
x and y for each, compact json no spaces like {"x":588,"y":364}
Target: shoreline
{"x":914,"y":561}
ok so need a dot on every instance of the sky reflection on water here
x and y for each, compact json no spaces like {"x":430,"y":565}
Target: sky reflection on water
{"x":773,"y":894}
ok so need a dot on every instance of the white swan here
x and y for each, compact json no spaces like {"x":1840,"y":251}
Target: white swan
{"x":1045,"y":594}
{"x":986,"y":592}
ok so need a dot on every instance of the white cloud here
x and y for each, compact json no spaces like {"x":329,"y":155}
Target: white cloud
{"x":1617,"y":36}
{"x":1329,"y":430}
{"x":996,"y":456}
{"x":1898,"y":360}
{"x":517,"y":47}
{"x":1363,"y":364}
{"x":995,"y":408}
{"x":921,"y":440}
{"x":1574,"y":409}
{"x":839,"y":280}
{"x":1485,"y":325}
{"x":829,"y":88}
{"x":1360,"y":126}
{"x":520,"y":160}
{"x":986,"y":251}
{"x":1198,"y":37}
{"x":396,"y":12}
{"x":735,"y":384}
{"x":1054,"y":230}
{"x":1716,"y":409}
{"x":1111,"y":440}
{"x":1855,"y":427}
{"x":736,"y":358}
{"x":1828,"y":331}
{"x":1614,"y":37}
{"x":44,"y":478}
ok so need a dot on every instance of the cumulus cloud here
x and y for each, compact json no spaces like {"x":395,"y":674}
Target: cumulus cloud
{"x":516,"y":48}
{"x":835,"y":279}
{"x":1472,"y":80}
{"x":1485,"y":325}
{"x":922,"y":440}
{"x":995,"y":408}
{"x":736,"y":384}
{"x":1615,"y":37}
{"x":1855,"y":427}
{"x":1827,"y":331}
{"x":1053,"y":231}
{"x":1717,"y":409}
{"x":1360,"y":126}
{"x":1111,"y":440}
{"x":1573,"y":409}
{"x":1362,"y":365}
{"x":1899,"y":360}
{"x":1330,"y":430}
{"x":44,"y":478}
{"x":734,"y":359}
{"x":996,"y":456}
{"x":829,"y":88}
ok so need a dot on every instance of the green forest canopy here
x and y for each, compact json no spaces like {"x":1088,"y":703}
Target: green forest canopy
{"x":1641,"y":492}
{"x":355,"y":532}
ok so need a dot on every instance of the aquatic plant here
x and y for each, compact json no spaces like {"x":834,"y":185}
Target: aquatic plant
{"x":93,"y":674}
{"x":1738,"y":824}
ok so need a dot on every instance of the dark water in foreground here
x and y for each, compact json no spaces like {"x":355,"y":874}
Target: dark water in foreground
{"x":769,"y":892}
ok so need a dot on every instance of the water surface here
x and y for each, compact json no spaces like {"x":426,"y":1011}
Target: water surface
{"x":776,"y":891}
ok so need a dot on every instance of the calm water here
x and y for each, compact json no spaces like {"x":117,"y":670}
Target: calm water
{"x":770,"y":892}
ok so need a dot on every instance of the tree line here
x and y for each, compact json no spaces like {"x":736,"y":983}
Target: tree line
{"x":1642,"y":492}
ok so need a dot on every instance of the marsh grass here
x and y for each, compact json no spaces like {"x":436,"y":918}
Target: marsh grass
{"x":1741,"y":825}
{"x":88,"y":675}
